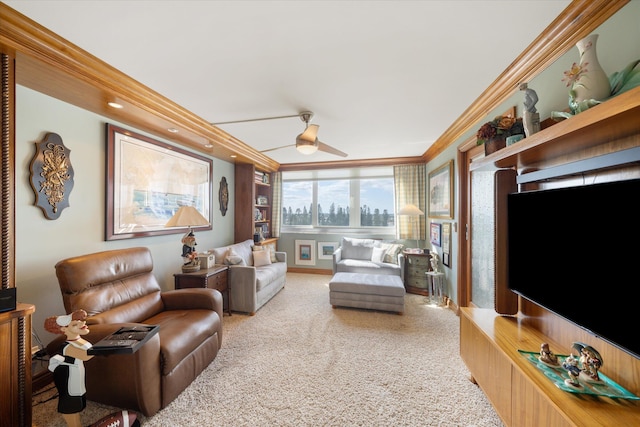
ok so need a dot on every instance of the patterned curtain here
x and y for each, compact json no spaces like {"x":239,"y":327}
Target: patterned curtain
{"x":276,"y":209}
{"x":411,"y":188}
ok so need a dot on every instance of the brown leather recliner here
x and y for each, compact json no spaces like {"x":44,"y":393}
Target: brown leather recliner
{"x":117,"y":288}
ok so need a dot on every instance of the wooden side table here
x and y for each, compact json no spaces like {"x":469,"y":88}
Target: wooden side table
{"x":415,"y":267}
{"x":215,"y":277}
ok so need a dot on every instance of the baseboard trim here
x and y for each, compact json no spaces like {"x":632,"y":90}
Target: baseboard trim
{"x":310,"y":270}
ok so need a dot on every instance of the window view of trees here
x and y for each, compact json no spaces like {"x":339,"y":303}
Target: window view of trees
{"x":335,"y":200}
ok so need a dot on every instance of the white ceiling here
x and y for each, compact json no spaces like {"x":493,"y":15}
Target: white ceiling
{"x":384,"y":78}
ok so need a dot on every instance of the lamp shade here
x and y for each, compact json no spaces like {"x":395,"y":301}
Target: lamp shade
{"x":305,"y":147}
{"x":411,"y":210}
{"x":187,"y":216}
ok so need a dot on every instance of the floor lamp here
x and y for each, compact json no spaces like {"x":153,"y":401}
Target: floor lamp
{"x":414,"y":213}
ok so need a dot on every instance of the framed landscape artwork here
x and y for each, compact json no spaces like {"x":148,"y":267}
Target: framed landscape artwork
{"x":305,"y":252}
{"x":326,"y":249}
{"x":441,"y":192}
{"x":147,"y":181}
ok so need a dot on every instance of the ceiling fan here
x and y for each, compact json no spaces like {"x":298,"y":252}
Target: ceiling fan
{"x":306,"y":142}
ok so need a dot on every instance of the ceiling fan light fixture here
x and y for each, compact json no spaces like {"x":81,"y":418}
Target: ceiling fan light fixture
{"x":306,"y":147}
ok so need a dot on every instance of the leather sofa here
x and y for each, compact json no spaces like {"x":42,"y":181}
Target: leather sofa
{"x":368,"y":256}
{"x":252,"y":285}
{"x":118,"y":288}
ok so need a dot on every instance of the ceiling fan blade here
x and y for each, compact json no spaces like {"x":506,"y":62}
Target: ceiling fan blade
{"x":310,"y":133}
{"x":328,"y":149}
{"x":277,"y":148}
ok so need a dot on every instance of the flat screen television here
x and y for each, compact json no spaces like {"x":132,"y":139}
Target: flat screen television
{"x":574,"y":251}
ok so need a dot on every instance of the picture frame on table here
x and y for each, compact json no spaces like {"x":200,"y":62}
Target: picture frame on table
{"x":305,"y":252}
{"x":435,"y":234}
{"x":147,"y":181}
{"x":441,"y":192}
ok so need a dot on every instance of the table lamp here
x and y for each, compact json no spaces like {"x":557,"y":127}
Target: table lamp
{"x":414,"y":212}
{"x":188,"y":216}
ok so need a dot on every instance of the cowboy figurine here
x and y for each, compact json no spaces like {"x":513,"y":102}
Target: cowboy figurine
{"x":68,"y":367}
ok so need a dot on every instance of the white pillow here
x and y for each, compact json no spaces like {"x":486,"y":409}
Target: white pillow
{"x":233,"y":258}
{"x":261,"y":258}
{"x":377,"y":254}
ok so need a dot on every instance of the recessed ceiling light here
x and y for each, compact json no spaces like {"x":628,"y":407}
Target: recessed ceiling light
{"x":233,"y":156}
{"x":208,"y":146}
{"x":113,"y":104}
{"x":173,"y":130}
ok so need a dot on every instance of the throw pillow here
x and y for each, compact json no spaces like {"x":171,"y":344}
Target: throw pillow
{"x":233,"y":258}
{"x":391,"y":252}
{"x":270,"y":249}
{"x":272,"y":253}
{"x":377,"y":254}
{"x":356,"y":248}
{"x":261,"y":258}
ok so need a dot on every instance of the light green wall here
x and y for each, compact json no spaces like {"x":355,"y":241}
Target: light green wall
{"x":79,"y":230}
{"x":618,"y":45}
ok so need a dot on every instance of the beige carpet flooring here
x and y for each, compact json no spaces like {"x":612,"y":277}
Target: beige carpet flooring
{"x":299,"y":362}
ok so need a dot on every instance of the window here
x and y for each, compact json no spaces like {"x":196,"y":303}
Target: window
{"x":354,"y":198}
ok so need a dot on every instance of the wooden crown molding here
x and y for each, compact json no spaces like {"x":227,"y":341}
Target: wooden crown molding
{"x":52,"y":65}
{"x":579,"y":19}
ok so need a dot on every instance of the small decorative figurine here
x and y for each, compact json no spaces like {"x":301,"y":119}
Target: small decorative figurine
{"x":590,"y":362}
{"x":547,"y":357}
{"x":530,"y":116}
{"x":68,"y":367}
{"x":435,"y":261}
{"x":189,"y":253}
{"x":571,"y":365}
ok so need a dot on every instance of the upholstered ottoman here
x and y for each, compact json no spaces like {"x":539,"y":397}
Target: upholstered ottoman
{"x":370,"y":291}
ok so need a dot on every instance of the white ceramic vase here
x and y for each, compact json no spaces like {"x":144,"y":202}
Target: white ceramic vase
{"x":593,"y":82}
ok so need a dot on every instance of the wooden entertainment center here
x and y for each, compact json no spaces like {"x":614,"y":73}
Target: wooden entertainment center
{"x":604,"y":143}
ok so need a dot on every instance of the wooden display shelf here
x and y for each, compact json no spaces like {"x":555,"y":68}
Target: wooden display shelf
{"x":521,"y":393}
{"x":615,"y":119}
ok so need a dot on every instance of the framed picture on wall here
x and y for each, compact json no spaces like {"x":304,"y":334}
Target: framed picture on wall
{"x":147,"y":181}
{"x":305,"y":252}
{"x":441,"y":192}
{"x":326,"y":249}
{"x":446,"y":244}
{"x":435,"y":234}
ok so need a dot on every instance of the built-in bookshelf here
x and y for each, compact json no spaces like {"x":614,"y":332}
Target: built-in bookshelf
{"x":253,"y":208}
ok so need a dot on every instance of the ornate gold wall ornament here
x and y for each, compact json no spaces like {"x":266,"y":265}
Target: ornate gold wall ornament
{"x":51,"y":175}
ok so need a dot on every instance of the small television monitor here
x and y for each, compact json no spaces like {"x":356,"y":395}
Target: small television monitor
{"x":573,"y":251}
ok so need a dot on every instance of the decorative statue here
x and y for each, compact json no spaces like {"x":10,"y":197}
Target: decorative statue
{"x":546,"y":355}
{"x":530,"y":116}
{"x":68,"y":372}
{"x":571,"y":365}
{"x":188,"y":247}
{"x":590,"y":362}
{"x":68,"y":367}
{"x":435,"y":261}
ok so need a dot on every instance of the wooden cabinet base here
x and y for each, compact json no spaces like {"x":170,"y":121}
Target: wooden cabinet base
{"x":519,"y":392}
